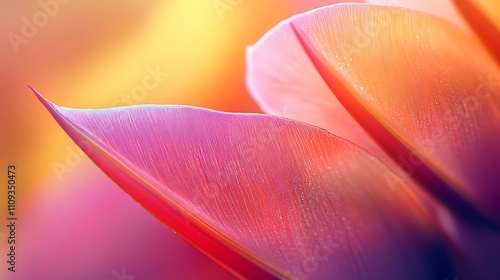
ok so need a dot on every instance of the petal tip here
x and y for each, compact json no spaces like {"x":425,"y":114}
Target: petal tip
{"x":40,"y":97}
{"x":47,"y":103}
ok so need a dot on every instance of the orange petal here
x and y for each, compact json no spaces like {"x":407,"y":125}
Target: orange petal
{"x":484,"y":17}
{"x":263,"y":196}
{"x":404,"y":78}
{"x":441,"y":8}
{"x":416,"y":93}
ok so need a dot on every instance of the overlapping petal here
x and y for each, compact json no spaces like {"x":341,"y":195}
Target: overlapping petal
{"x":261,"y":195}
{"x":404,"y":78}
{"x":483,"y":17}
{"x":284,"y":82}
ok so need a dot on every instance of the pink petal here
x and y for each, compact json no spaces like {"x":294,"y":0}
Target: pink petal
{"x":403,"y":77}
{"x":261,"y":195}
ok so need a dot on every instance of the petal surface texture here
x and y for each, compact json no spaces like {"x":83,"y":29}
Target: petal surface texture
{"x":441,"y":8}
{"x":484,"y":17}
{"x":264,"y":196}
{"x":284,"y":82}
{"x":401,"y":76}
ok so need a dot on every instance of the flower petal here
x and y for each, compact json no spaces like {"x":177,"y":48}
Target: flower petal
{"x":284,"y":82}
{"x":441,"y":8}
{"x":261,"y":195}
{"x":403,"y":76}
{"x":482,"y":15}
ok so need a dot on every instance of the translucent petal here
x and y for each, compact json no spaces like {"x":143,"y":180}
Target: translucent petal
{"x":402,"y":76}
{"x":261,"y":195}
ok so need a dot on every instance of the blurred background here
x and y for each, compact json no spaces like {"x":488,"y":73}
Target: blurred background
{"x":73,"y":222}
